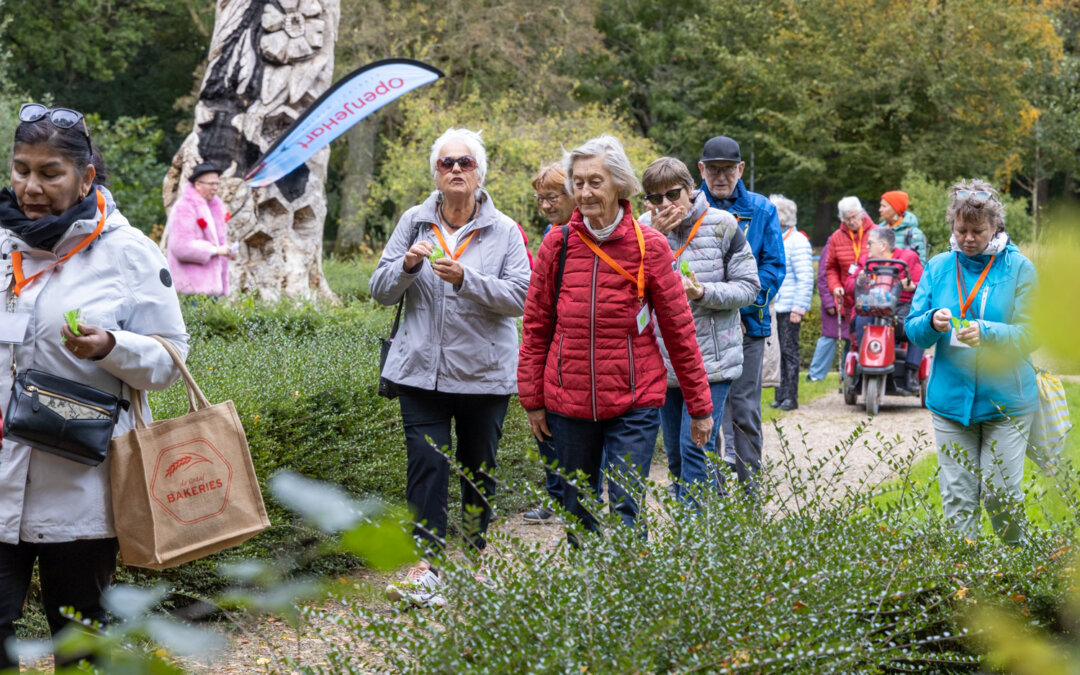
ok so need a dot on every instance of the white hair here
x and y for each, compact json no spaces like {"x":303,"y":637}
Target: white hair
{"x":471,"y":139}
{"x":615,"y":161}
{"x":849,"y":204}
{"x":786,"y":209}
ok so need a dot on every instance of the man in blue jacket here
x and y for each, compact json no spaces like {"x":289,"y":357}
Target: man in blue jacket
{"x":721,"y":169}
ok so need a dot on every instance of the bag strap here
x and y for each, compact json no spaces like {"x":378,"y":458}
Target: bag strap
{"x":558,"y":275}
{"x":397,"y":318}
{"x":196,"y":399}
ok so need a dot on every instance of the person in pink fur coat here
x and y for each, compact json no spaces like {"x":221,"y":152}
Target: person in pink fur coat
{"x":198,"y":247}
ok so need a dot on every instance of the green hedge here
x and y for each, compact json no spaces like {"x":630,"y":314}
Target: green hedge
{"x":303,"y":379}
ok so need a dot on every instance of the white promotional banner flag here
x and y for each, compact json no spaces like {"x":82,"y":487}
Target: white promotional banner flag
{"x":351,"y":99}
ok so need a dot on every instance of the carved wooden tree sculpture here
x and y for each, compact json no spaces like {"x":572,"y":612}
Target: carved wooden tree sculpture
{"x":269,"y":60}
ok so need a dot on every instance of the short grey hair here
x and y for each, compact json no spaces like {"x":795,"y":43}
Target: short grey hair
{"x":786,"y":209}
{"x":885,"y":235}
{"x":471,"y":139}
{"x":971,"y":209}
{"x":615,"y":161}
{"x":849,"y":204}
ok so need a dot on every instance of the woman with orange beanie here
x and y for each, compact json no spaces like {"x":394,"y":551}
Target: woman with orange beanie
{"x":894,"y":213}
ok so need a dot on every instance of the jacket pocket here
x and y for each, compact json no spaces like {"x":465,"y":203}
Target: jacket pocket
{"x":558,"y":359}
{"x":715,"y":342}
{"x":630,"y":359}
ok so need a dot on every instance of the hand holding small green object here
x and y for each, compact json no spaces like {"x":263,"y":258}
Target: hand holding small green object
{"x":73,"y":318}
{"x":685,"y":267}
{"x":436,"y":253}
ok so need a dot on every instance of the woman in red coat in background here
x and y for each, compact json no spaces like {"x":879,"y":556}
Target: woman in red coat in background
{"x":590,"y":373}
{"x":845,"y":247}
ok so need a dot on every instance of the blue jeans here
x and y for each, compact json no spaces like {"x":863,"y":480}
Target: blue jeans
{"x":824,"y":355}
{"x":688,"y":463}
{"x":629,"y":441}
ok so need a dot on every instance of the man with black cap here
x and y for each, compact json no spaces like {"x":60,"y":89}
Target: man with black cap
{"x":721,"y":169}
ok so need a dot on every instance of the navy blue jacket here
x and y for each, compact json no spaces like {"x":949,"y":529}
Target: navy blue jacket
{"x":760,"y":223}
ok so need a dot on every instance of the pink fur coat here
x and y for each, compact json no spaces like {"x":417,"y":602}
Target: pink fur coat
{"x":192,"y":248}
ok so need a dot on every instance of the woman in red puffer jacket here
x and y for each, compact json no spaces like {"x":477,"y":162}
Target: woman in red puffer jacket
{"x":590,"y":373}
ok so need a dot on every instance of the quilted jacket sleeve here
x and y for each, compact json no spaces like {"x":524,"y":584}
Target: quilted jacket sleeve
{"x":538,"y":325}
{"x":741,"y":285}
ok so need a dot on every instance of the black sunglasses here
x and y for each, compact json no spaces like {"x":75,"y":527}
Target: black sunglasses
{"x":658,"y":198}
{"x":446,"y":164}
{"x":61,"y":118}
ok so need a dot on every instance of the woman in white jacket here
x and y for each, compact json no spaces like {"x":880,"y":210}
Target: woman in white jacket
{"x":53,"y":510}
{"x":792,"y":302}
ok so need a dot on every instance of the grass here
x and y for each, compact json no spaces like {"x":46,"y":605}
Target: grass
{"x":808,"y":392}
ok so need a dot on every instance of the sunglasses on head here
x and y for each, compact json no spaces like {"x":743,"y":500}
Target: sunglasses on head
{"x":446,"y":164}
{"x":658,"y":198}
{"x":977,"y":195}
{"x":61,"y":118}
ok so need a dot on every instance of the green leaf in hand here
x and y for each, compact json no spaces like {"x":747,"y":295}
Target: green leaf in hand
{"x":73,"y":318}
{"x":436,"y":253}
{"x":685,"y":267}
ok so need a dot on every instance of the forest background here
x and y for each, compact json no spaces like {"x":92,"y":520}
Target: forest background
{"x":827,"y":98}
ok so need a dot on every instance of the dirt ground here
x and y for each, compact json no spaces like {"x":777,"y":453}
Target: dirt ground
{"x":902,"y":427}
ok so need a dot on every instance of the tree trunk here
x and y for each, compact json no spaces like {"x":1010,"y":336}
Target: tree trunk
{"x":359,"y":171}
{"x":825,"y":219}
{"x":268,"y":62}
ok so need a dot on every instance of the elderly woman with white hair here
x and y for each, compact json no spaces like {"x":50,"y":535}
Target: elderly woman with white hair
{"x":973,"y":305}
{"x":460,"y":267}
{"x":792,"y":302}
{"x":845,"y":247}
{"x":590,"y":372}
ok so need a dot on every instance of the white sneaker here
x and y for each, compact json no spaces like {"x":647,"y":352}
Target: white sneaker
{"x":420,"y":588}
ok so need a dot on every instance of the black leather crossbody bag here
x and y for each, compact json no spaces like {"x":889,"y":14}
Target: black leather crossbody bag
{"x":62,"y":417}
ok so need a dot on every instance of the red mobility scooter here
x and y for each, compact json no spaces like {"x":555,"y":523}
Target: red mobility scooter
{"x":871,"y":364}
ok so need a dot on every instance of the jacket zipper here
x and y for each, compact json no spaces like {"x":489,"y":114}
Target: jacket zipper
{"x":715,"y":341}
{"x":592,"y":337}
{"x":34,"y":390}
{"x":559,"y":359}
{"x":630,"y":355}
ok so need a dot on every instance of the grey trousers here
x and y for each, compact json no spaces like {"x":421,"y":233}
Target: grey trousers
{"x":742,"y":413}
{"x":995,"y":451}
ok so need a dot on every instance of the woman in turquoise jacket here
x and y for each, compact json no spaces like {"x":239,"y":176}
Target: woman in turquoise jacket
{"x":973,"y":305}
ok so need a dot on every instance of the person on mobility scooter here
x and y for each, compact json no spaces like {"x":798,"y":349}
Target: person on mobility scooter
{"x":882,"y":286}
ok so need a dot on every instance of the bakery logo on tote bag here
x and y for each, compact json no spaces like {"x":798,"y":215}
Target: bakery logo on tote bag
{"x":192,"y":481}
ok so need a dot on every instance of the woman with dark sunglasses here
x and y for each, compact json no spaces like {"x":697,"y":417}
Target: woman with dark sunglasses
{"x":973,"y":305}
{"x":719,"y":276}
{"x":462,"y":269}
{"x":65,"y":246}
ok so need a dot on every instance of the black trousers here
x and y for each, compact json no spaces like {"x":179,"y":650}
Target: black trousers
{"x":789,"y":358}
{"x":72,"y":573}
{"x":478,"y":422}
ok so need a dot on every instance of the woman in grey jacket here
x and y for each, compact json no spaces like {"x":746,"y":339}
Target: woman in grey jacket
{"x":462,"y":268}
{"x":720,"y":276}
{"x":54,"y":510}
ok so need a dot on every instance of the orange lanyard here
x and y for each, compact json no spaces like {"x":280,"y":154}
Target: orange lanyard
{"x":460,"y":249}
{"x":856,"y":244}
{"x":965,"y":304}
{"x":788,"y":233}
{"x":640,"y":281}
{"x":16,"y":257}
{"x":693,"y":233}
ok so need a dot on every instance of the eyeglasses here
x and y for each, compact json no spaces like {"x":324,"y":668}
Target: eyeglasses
{"x":208,"y":183}
{"x":717,"y":169}
{"x":658,"y":198}
{"x":552,"y":199}
{"x":977,"y":195}
{"x":446,"y":164}
{"x":61,"y":118}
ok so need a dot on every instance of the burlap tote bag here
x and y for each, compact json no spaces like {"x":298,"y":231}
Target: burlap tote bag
{"x":184,"y":488}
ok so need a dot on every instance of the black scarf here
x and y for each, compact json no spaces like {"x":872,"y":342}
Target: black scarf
{"x":43,"y":233}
